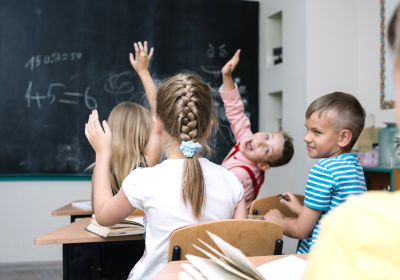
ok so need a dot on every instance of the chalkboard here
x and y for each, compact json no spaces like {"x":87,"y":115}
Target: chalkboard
{"x":61,"y":59}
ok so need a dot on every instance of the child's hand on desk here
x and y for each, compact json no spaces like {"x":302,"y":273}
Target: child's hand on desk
{"x":292,"y":203}
{"x":99,"y":139}
{"x":273,"y":215}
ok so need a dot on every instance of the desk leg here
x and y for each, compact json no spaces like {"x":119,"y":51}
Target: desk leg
{"x":96,"y":264}
{"x":74,"y":217}
{"x":66,"y":260}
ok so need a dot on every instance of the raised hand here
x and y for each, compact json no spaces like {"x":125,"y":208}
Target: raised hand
{"x":142,"y":58}
{"x":231,"y":64}
{"x":98,"y":138}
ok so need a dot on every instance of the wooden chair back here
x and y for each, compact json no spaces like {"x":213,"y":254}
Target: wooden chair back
{"x":264,"y":204}
{"x":252,"y":237}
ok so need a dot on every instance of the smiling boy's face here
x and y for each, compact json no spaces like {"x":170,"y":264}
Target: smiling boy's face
{"x":321,"y":138}
{"x":262,"y":147}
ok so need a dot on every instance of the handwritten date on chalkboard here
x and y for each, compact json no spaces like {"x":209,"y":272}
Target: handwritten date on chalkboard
{"x":37,"y":60}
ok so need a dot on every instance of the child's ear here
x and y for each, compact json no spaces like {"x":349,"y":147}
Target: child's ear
{"x":157,"y":125}
{"x":209,"y":129}
{"x":345,"y":138}
{"x":263,"y":166}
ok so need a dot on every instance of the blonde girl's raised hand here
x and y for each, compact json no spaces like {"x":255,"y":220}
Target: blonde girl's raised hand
{"x":230,"y":66}
{"x":98,"y":138}
{"x":140,"y":62}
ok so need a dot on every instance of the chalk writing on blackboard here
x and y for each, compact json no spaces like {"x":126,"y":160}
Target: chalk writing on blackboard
{"x":120,"y":84}
{"x":211,"y":50}
{"x":36,"y":60}
{"x":53,"y":93}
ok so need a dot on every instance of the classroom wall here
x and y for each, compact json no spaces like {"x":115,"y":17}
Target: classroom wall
{"x":327,"y":46}
{"x":25,"y":213}
{"x":344,"y":34}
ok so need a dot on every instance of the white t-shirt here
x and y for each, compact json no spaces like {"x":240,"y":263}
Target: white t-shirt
{"x":157,"y":191}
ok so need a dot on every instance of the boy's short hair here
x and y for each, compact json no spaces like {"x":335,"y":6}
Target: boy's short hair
{"x":287,"y":152}
{"x":350,"y":114}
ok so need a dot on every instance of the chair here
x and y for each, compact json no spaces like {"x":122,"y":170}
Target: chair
{"x":252,"y":237}
{"x":262,"y":205}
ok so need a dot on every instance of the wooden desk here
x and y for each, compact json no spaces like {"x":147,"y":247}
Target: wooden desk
{"x":74,"y":235}
{"x":172,"y":269}
{"x":74,"y":212}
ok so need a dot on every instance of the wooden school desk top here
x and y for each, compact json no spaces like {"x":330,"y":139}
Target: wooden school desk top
{"x":172,"y":269}
{"x":69,"y":210}
{"x":76,"y":233}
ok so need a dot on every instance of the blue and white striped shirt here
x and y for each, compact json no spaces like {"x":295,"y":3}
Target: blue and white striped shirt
{"x":330,"y":182}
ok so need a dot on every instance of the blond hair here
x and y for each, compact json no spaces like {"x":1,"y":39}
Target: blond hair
{"x":184,"y":107}
{"x":130,"y":126}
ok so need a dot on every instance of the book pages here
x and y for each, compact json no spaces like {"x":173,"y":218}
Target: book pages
{"x":193,"y":272}
{"x":210,"y":269}
{"x":236,"y":257}
{"x":224,"y":264}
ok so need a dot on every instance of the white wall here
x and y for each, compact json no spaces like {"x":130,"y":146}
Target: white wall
{"x":369,"y":61}
{"x":25,"y":213}
{"x":328,"y":45}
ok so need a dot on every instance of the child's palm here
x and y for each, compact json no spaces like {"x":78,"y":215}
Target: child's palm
{"x":230,"y":66}
{"x":98,"y":138}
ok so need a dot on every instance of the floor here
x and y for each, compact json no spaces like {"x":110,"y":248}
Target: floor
{"x":31,"y":272}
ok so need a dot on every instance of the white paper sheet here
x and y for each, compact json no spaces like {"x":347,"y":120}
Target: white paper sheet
{"x":85,"y":205}
{"x":288,"y":268}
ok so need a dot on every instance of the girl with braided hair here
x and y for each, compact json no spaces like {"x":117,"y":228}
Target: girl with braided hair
{"x":184,"y":189}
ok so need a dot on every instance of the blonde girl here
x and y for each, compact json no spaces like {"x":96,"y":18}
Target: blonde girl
{"x":134,"y":143}
{"x":184,"y":189}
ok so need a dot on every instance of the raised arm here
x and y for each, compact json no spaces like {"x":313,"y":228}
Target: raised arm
{"x":140,"y":63}
{"x":234,"y":107}
{"x":108,"y":209}
{"x":227,"y":70}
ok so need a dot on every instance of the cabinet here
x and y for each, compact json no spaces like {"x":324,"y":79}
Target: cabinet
{"x":381,"y":178}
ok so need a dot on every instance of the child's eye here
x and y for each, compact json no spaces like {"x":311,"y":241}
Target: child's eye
{"x":266,"y":137}
{"x":266,"y":150}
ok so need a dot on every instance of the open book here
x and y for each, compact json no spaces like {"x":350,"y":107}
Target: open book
{"x":129,"y":226}
{"x":233,"y":264}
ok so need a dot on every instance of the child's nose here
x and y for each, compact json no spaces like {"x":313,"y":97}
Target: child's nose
{"x":306,"y":137}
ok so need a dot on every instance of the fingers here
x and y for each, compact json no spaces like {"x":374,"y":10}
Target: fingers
{"x":145,"y":47}
{"x":151,"y":53}
{"x":137,"y":51}
{"x":141,"y":48}
{"x":107,"y":129}
{"x":131,"y":59}
{"x":236,"y":55}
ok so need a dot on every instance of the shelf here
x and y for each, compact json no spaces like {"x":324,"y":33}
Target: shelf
{"x":274,"y":111}
{"x":274,"y":37}
{"x":380,"y":178}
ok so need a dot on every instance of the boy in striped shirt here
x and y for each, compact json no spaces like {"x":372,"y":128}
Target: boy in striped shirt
{"x":334,"y":122}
